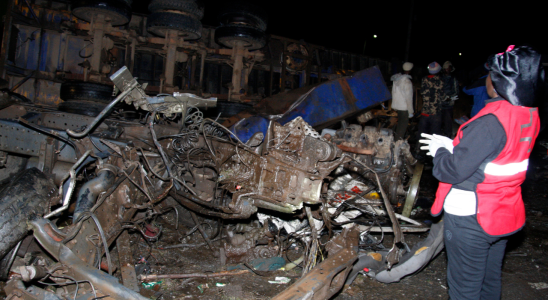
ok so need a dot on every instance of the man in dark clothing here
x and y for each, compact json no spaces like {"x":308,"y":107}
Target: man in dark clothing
{"x":480,"y":174}
{"x":432,"y":95}
{"x":451,"y":90}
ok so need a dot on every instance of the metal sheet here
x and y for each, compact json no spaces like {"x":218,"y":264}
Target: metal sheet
{"x":328,"y":102}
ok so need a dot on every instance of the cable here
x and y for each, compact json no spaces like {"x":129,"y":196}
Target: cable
{"x":105,"y":243}
{"x":74,"y":281}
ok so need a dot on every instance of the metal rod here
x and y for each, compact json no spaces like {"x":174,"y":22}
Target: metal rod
{"x":22,"y":81}
{"x":191,"y":275}
{"x":32,"y":12}
{"x":403,"y":229}
{"x":102,"y":114}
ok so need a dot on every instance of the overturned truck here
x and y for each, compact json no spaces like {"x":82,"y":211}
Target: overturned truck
{"x":81,"y":184}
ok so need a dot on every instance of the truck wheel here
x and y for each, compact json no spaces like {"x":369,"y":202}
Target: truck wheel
{"x":26,"y":197}
{"x":88,"y":91}
{"x":243,"y":14}
{"x":159,"y":23}
{"x":229,"y":35}
{"x":118,"y":12}
{"x":187,"y":6}
{"x":87,"y":108}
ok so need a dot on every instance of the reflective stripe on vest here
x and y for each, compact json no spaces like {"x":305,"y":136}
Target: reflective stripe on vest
{"x":507,"y":169}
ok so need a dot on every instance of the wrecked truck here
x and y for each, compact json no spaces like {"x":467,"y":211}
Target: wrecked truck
{"x":80,"y":184}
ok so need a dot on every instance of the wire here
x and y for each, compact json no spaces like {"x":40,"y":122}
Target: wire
{"x":105,"y":243}
{"x":74,"y":281}
{"x":138,"y":186}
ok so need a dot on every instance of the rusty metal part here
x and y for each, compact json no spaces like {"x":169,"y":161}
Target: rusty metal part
{"x":393,"y":255}
{"x":154,"y":277}
{"x":107,"y":284}
{"x":413,"y":190}
{"x":376,"y":148}
{"x":356,"y":150}
{"x":125,"y":256}
{"x":244,"y":214}
{"x":289,"y":172}
{"x":327,"y":278}
{"x":249,"y":245}
{"x":16,"y":290}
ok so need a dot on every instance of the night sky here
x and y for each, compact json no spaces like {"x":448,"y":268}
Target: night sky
{"x":440,"y":29}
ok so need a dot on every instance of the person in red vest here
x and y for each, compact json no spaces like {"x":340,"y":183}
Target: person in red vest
{"x":481,"y":172}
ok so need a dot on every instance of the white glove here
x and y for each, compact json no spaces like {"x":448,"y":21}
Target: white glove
{"x":456,"y":97}
{"x":434,"y":142}
{"x":410,"y":116}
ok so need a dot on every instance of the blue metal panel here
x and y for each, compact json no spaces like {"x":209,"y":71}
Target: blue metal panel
{"x":247,"y":127}
{"x":327,"y":103}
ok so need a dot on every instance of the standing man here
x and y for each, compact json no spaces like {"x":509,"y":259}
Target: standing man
{"x":402,"y":99}
{"x":481,"y":171}
{"x":451,"y":90}
{"x":432,"y":95}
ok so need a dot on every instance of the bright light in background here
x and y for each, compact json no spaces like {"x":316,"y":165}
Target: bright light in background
{"x":374,"y":36}
{"x":460,"y":54}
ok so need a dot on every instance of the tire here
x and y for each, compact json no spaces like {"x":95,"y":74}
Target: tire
{"x":243,"y":14}
{"x":118,"y":12}
{"x":228,"y":109}
{"x":187,"y":6}
{"x":160,"y":22}
{"x":14,"y":165}
{"x":228,"y":35}
{"x":25,"y":198}
{"x":89,"y":91}
{"x":87,"y":108}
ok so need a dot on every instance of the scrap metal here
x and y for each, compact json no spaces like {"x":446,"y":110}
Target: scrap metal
{"x":175,"y":159}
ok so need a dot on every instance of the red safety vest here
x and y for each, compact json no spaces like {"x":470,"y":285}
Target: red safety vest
{"x":500,"y":209}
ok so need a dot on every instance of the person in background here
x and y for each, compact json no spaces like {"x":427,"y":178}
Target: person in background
{"x":402,"y":99}
{"x":432,"y":95}
{"x":481,"y":172}
{"x":479,"y":91}
{"x":451,"y":90}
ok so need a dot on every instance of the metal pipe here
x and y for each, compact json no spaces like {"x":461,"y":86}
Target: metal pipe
{"x":153,"y":277}
{"x":87,"y":196}
{"x":103,"y":113}
{"x":72,"y":174}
